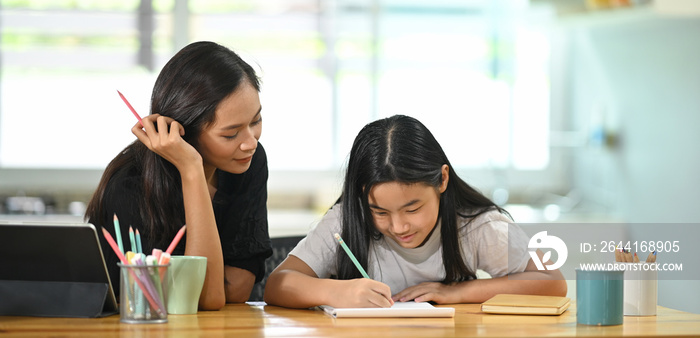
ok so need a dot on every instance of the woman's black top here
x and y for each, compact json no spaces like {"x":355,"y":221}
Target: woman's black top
{"x":240,"y":208}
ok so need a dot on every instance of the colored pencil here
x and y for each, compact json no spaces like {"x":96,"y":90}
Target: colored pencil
{"x":176,"y":240}
{"x":118,"y":233}
{"x":154,"y":276}
{"x":139,"y":248}
{"x":132,"y":240}
{"x":148,"y":282}
{"x":352,"y":257}
{"x":114,"y":246}
{"x":130,"y":107}
{"x":652,"y":257}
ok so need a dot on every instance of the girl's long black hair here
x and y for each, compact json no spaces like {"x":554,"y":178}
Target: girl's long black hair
{"x":188,"y":89}
{"x":401,"y":149}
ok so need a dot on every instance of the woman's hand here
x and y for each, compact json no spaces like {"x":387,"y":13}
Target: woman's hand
{"x":431,"y":291}
{"x":361,"y":292}
{"x":163,"y":136}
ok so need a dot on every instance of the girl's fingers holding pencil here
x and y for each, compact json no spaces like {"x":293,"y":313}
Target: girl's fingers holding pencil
{"x":362,"y":292}
{"x":383,"y":295}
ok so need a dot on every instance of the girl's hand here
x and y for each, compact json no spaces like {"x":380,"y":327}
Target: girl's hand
{"x":361,"y":292}
{"x":431,"y":291}
{"x":167,"y":141}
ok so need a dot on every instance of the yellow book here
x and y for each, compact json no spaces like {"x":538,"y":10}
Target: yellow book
{"x":526,"y":304}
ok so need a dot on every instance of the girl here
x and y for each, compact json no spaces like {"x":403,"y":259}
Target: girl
{"x":197,"y":161}
{"x":417,"y":228}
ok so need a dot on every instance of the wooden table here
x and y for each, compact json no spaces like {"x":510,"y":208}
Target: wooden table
{"x":256,"y":320}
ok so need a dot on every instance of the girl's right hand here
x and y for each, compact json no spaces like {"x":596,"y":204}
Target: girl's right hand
{"x":362,"y":292}
{"x":163,"y":136}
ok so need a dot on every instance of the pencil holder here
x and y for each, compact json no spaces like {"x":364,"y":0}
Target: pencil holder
{"x":143,"y":297}
{"x":641,"y":288}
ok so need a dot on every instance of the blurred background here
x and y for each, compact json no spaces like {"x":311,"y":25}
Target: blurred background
{"x":560,"y":110}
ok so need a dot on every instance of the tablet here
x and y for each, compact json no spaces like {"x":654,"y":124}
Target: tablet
{"x":53,"y":269}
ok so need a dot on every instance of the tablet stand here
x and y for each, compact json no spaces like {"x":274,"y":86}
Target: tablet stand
{"x":54,"y":299}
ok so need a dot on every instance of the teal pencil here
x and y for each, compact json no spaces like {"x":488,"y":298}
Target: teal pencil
{"x":138,"y":242}
{"x":118,"y":232}
{"x":132,"y":240}
{"x":352,"y":257}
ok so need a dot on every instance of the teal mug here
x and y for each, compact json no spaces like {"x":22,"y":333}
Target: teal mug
{"x":599,"y":297}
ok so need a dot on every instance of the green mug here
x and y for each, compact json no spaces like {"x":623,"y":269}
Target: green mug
{"x":184,"y":283}
{"x":599,"y":297}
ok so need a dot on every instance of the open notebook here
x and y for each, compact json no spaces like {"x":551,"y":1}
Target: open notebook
{"x":399,"y":309}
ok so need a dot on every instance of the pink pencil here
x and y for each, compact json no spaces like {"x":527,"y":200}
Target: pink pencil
{"x":130,"y":107}
{"x":176,"y":240}
{"x":114,"y":246}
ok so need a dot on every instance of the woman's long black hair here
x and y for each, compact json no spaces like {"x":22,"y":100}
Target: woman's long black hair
{"x":401,"y":149}
{"x":188,"y":89}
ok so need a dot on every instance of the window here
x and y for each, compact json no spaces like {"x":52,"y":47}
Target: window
{"x":475,"y":72}
{"x":62,"y":62}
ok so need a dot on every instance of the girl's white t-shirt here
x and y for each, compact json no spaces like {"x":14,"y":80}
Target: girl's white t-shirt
{"x":490,"y":242}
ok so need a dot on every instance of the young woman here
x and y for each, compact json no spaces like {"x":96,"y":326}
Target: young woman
{"x":419,"y":230}
{"x":197,"y":161}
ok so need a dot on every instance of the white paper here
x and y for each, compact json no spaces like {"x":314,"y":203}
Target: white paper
{"x":399,"y":309}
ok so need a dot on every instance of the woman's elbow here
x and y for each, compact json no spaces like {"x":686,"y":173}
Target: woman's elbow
{"x":557,"y":287}
{"x":564,"y":288}
{"x":237,"y":298}
{"x":212,"y":303}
